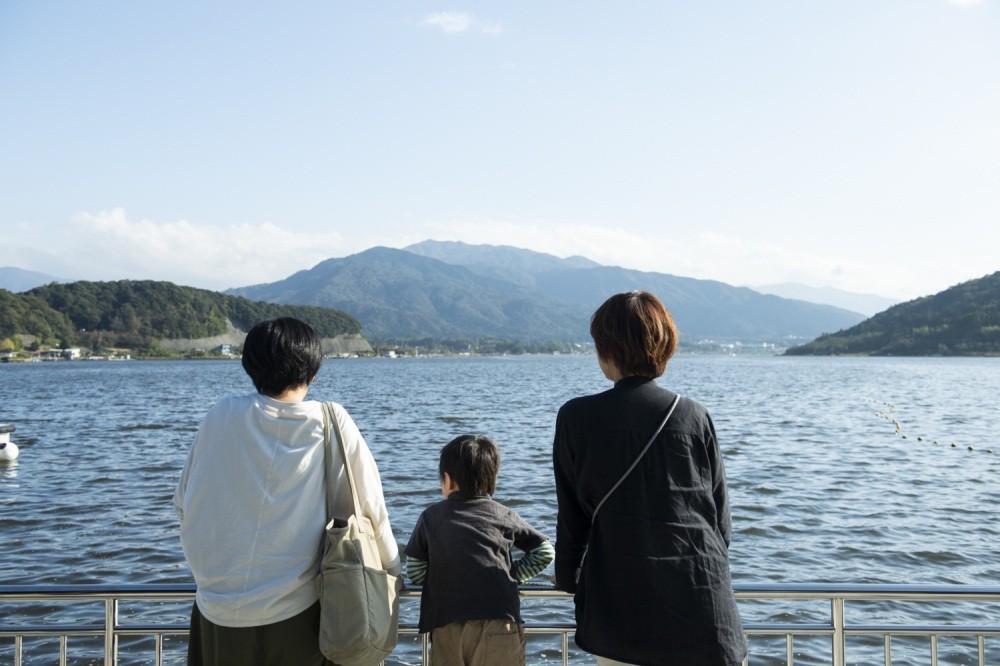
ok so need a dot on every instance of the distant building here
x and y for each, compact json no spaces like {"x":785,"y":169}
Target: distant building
{"x":71,"y":354}
{"x":223,"y":349}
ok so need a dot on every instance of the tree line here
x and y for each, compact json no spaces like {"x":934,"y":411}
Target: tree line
{"x":136,"y":314}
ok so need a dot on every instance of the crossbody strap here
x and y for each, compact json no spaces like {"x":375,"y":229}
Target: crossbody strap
{"x":666,"y":418}
{"x":331,"y":431}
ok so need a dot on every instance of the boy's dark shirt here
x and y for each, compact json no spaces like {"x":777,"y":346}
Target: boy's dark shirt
{"x":466,"y":542}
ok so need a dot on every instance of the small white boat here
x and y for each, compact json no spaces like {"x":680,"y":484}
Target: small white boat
{"x":8,"y":449}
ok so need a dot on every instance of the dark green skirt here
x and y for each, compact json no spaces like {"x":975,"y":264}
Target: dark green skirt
{"x":291,"y":642}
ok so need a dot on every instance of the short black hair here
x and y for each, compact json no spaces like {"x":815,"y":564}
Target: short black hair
{"x":473,"y":462}
{"x":280,"y":354}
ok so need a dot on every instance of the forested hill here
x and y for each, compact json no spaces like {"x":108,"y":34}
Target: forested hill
{"x":961,"y":321}
{"x":507,"y":293}
{"x":136,"y":314}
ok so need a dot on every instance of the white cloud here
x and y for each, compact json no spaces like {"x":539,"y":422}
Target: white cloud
{"x":449,"y":21}
{"x":746,"y":262}
{"x":457,"y":22}
{"x":110,"y":246}
{"x":966,"y":3}
{"x":490,"y":28}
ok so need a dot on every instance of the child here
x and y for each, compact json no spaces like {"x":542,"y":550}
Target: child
{"x":460,"y":552}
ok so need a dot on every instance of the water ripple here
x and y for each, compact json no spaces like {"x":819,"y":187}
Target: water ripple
{"x":823,"y":486}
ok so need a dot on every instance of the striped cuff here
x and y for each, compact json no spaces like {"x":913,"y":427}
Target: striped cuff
{"x":416,"y":570}
{"x":533,"y":562}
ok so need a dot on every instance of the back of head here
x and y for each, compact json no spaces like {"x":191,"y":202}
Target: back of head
{"x":280,"y":354}
{"x":473,"y":462}
{"x":634,"y":331}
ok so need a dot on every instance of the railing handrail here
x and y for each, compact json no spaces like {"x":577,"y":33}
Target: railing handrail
{"x":743,"y":590}
{"x":836,"y":628}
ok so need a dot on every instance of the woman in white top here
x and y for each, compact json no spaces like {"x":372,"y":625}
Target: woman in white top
{"x":252,"y":505}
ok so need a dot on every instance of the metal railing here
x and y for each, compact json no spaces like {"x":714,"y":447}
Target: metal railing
{"x":43,"y":599}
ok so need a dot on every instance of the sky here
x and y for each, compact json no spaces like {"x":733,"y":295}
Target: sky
{"x":850,"y":144}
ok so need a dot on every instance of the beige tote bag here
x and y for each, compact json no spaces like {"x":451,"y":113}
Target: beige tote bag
{"x":359,"y":606}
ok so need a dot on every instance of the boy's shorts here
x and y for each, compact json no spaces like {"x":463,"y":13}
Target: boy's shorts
{"x":478,"y":643}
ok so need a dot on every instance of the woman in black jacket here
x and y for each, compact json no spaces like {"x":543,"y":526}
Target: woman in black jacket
{"x":650,"y":573}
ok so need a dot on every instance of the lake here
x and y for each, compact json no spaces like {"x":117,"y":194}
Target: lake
{"x":841,"y":470}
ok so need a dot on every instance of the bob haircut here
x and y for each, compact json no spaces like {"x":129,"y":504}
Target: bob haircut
{"x":473,"y":463}
{"x":634,"y":331}
{"x":281,"y":354}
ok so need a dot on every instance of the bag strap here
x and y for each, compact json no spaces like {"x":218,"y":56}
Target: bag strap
{"x":332,"y":427}
{"x":666,"y":418}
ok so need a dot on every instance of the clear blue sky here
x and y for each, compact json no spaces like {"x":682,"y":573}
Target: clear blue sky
{"x":219,"y":144}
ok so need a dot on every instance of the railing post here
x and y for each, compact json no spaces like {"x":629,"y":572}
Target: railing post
{"x":835,"y":627}
{"x":839,"y":639}
{"x":110,"y":624}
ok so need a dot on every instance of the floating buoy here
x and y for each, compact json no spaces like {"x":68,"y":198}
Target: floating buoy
{"x":920,"y":438}
{"x":8,"y":449}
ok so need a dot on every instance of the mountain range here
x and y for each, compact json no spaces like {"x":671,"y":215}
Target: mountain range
{"x":866,"y":304}
{"x":455,"y":290}
{"x":454,"y":293}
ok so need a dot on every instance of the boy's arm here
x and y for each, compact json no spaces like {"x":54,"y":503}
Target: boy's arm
{"x":416,"y":570}
{"x":533,"y":562}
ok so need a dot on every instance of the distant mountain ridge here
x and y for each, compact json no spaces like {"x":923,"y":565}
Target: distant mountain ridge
{"x":19,"y":279}
{"x":703,"y":308}
{"x":498,"y":261}
{"x":963,"y":320}
{"x":454,"y":290}
{"x":866,"y":304}
{"x":402,"y":295}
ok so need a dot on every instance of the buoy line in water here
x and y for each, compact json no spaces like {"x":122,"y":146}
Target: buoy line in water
{"x":886,"y":411}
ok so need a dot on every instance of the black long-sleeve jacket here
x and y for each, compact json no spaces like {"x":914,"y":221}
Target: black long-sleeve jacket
{"x":654,"y":587}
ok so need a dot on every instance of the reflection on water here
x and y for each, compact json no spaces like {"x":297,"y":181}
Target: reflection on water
{"x":8,"y":471}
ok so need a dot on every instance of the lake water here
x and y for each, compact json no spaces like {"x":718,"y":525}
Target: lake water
{"x":825,"y":486}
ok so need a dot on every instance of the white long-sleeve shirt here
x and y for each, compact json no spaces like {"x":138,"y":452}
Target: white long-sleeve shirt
{"x":252,"y":504}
